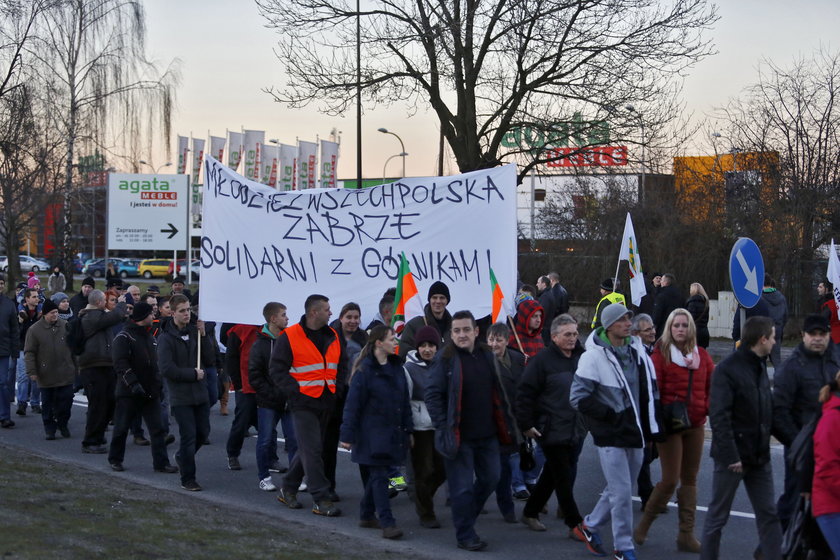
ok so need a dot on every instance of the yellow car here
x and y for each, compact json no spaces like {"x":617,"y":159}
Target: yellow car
{"x":151,"y":268}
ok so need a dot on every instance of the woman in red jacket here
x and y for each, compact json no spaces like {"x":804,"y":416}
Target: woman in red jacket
{"x":683,"y":373}
{"x":825,"y":491}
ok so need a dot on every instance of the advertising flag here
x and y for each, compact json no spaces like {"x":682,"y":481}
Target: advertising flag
{"x":630,"y":252}
{"x":500,"y":309}
{"x":307,"y":165}
{"x":329,"y":163}
{"x":268,"y":165}
{"x":234,"y":148}
{"x":183,"y":150}
{"x":834,"y":275}
{"x":287,"y":168}
{"x":254,"y":139}
{"x":407,"y":299}
{"x":197,"y":157}
{"x":217,"y":147}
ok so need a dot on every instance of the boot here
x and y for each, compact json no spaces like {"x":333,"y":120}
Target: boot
{"x":223,"y":399}
{"x":687,"y":502}
{"x":658,"y":499}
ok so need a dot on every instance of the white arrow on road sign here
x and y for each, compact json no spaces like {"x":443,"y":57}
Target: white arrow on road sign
{"x":752,"y":279}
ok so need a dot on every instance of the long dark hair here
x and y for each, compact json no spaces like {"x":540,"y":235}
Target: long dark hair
{"x":379,"y":332}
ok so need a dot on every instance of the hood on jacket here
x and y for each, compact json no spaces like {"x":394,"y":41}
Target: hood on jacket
{"x":414,"y":358}
{"x":773,"y":297}
{"x":524,"y":312}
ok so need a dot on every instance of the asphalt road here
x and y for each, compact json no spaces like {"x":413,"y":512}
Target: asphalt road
{"x":239,"y":488}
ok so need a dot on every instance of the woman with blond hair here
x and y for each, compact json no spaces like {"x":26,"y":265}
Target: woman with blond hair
{"x":698,"y":306}
{"x":683,"y":373}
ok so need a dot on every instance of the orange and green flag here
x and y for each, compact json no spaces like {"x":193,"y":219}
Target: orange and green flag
{"x":407,"y":299}
{"x":499,"y":313}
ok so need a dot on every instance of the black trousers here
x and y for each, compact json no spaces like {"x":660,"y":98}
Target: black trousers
{"x":244,"y":416}
{"x":100,"y":384}
{"x":127,"y":410}
{"x":330,"y":453}
{"x":556,"y":476}
{"x":310,"y":426}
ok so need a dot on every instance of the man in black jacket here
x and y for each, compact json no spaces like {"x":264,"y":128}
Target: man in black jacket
{"x":9,"y":350}
{"x":667,"y":299}
{"x":796,"y":388}
{"x":80,"y":300}
{"x":139,"y":386}
{"x":741,"y":413}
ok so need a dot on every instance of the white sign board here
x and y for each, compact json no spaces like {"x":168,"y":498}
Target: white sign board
{"x":147,"y":212}
{"x":259,"y":244}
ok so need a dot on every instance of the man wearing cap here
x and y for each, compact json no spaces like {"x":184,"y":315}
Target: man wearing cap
{"x":139,"y":385}
{"x":796,"y":387}
{"x":434,"y":314}
{"x":608,"y":296}
{"x":178,"y":287}
{"x":80,"y":300}
{"x":614,"y":387}
{"x":50,"y":364}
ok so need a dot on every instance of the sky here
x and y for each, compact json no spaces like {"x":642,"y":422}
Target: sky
{"x":227,"y":60}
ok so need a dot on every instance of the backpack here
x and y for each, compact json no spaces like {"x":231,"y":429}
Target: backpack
{"x":75,"y":336}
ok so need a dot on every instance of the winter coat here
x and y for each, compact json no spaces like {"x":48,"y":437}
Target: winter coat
{"x":47,"y":354}
{"x":555,"y":301}
{"x":136,"y":361}
{"x":411,"y":327}
{"x":760,"y":309}
{"x":9,"y":328}
{"x":600,"y":392}
{"x":796,"y":388}
{"x":357,"y":341}
{"x":825,"y":490}
{"x":443,"y":399}
{"x":612,"y":297}
{"x":30,"y":318}
{"x":417,"y":376}
{"x":511,"y":367}
{"x":668,"y":299}
{"x":777,"y":310}
{"x":240,"y":341}
{"x":542,"y":398}
{"x":673,"y":384}
{"x":268,"y":393}
{"x":282,"y":357}
{"x":741,"y":410}
{"x":377,"y":417}
{"x":698,"y":306}
{"x":529,"y":340}
{"x":829,"y":310}
{"x":178,"y":359}
{"x":56,"y":283}
{"x":78,"y":302}
{"x":97,"y":326}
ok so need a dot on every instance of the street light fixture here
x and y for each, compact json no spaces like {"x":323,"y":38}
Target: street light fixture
{"x":167,"y":164}
{"x":403,"y":152}
{"x":384,"y":167}
{"x":633,"y":110}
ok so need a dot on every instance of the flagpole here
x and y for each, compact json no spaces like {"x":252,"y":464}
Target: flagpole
{"x":516,"y":336}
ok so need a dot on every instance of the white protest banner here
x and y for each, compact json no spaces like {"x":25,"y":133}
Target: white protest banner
{"x":329,"y":163}
{"x":286,"y":168}
{"x":182,"y":151}
{"x":307,"y":165}
{"x":253,"y":142}
{"x":198,"y":155}
{"x":268,"y":165}
{"x":234,"y":149}
{"x":259,"y":244}
{"x":217,"y":147}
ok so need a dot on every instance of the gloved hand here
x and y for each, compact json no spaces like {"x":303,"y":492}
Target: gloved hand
{"x":138,"y":391}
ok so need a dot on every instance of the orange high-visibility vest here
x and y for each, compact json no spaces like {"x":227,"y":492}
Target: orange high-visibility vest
{"x":310,"y":369}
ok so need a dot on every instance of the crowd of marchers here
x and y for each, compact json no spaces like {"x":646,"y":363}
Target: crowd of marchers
{"x":452,"y":399}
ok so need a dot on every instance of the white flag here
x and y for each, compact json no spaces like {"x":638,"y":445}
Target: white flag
{"x":234,"y":148}
{"x":268,"y":165}
{"x":307,"y":164}
{"x":287,"y":168}
{"x":253,"y":142}
{"x":217,"y":147}
{"x":183,"y":150}
{"x":329,"y":164}
{"x":834,"y":275}
{"x":630,"y":252}
{"x":197,"y":158}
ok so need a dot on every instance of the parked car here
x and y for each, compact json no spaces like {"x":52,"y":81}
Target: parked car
{"x":27,"y":264}
{"x":129,"y":268}
{"x":151,"y":268}
{"x":195,"y":268}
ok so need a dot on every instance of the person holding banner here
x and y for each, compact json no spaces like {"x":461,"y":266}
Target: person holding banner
{"x":309,"y":365}
{"x":435,"y":314}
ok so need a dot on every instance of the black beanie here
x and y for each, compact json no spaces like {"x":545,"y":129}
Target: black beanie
{"x":439,"y":289}
{"x":89,"y":282}
{"x":48,"y":306}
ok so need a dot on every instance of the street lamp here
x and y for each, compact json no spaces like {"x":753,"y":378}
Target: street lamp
{"x":633,"y":110}
{"x":384,"y":167}
{"x":403,"y":153}
{"x":167,"y":164}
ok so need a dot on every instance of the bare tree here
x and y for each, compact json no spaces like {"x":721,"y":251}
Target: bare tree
{"x":487,"y":67}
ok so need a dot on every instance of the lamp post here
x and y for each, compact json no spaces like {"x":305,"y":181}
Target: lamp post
{"x":384,"y":167}
{"x":403,"y":153}
{"x":167,"y":164}
{"x":633,"y":110}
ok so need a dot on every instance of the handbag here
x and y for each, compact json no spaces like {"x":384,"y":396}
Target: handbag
{"x":676,"y":413}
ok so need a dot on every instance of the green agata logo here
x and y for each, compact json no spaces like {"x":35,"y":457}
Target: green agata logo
{"x":137,"y":186}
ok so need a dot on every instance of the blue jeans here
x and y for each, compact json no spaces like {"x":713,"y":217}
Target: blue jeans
{"x":375,"y":499}
{"x":211,"y":378}
{"x":830,"y":527}
{"x":504,"y":493}
{"x":57,"y":405}
{"x":520,"y":479}
{"x":472,"y":476}
{"x":5,"y":394}
{"x":194,"y":429}
{"x":267,"y":419}
{"x":27,"y":390}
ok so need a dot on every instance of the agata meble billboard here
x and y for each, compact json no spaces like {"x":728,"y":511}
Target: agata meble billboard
{"x":147,"y":212}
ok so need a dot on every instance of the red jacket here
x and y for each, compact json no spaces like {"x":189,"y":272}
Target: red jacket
{"x":240,"y":340}
{"x":831,"y":306}
{"x":825,"y":492}
{"x":673,"y":384}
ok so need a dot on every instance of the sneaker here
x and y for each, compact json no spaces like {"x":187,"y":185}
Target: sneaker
{"x":288,"y":498}
{"x":65,"y":432}
{"x":398,"y":483}
{"x":7,"y":423}
{"x":267,"y":484}
{"x":624,"y":555}
{"x":533,"y":523}
{"x":117,"y":467}
{"x":275,"y":466}
{"x":303,"y":487}
{"x":191,"y":485}
{"x":140,"y":440}
{"x":371,"y":523}
{"x":473,"y":545}
{"x":233,"y":464}
{"x":36,"y":409}
{"x":168,"y":469}
{"x":326,"y":508}
{"x":592,"y":540}
{"x":392,"y":532}
{"x":521,"y":495}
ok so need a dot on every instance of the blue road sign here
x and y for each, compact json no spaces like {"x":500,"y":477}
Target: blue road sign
{"x":746,"y":271}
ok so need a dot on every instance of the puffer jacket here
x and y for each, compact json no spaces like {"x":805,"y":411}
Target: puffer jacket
{"x":600,"y":392}
{"x":525,"y":339}
{"x":47,"y":355}
{"x":777,"y":310}
{"x":178,"y":358}
{"x":97,"y":326}
{"x":135,"y":361}
{"x":9,"y":328}
{"x":673,"y":384}
{"x":268,"y":393}
{"x":417,"y":376}
{"x":825,"y":492}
